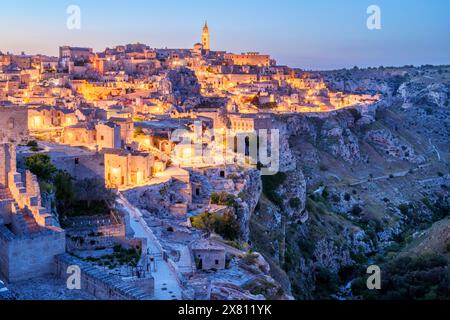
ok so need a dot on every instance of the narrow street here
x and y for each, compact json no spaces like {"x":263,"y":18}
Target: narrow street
{"x":166,"y":284}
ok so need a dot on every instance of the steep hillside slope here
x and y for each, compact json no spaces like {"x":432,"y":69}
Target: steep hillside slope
{"x":376,"y":183}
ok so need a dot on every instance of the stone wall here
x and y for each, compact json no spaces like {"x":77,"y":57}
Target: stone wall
{"x":207,"y":259}
{"x":104,"y":286}
{"x":96,"y":237}
{"x":5,"y":211}
{"x":13,"y":123}
{"x":26,"y":200}
{"x":29,"y":257}
{"x":82,"y":167}
{"x":7,"y":162}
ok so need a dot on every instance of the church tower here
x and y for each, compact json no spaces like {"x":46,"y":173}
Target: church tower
{"x":205,"y":37}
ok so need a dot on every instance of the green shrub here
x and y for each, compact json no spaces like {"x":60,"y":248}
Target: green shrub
{"x":411,"y":278}
{"x":271,"y":184}
{"x":64,"y":191}
{"x":41,"y":166}
{"x":404,"y":208}
{"x":225,"y":225}
{"x":356,"y":210}
{"x":250,"y":258}
{"x":295,"y":203}
{"x":327,"y":283}
{"x":223,"y":199}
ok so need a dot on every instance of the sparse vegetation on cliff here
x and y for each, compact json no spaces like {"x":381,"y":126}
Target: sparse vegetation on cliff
{"x":270,"y":186}
{"x":426,"y":277}
{"x":224,"y":225}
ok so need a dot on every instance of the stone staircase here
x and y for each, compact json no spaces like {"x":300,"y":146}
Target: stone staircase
{"x":5,"y":194}
{"x":24,"y":223}
{"x":6,"y":200}
{"x":31,"y":225}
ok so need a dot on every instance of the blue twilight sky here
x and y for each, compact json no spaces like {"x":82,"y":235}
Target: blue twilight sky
{"x":310,"y":34}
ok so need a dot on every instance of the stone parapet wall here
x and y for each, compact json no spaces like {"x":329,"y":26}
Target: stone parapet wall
{"x":104,"y":286}
{"x":30,"y":256}
{"x":28,"y":196}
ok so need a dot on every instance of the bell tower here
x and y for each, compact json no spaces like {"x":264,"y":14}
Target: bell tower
{"x":205,"y":37}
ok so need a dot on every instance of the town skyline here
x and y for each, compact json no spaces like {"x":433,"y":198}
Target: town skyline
{"x":226,"y":151}
{"x":304,"y":39}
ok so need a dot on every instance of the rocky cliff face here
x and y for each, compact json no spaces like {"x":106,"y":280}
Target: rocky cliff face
{"x":333,"y":132}
{"x":155,"y":198}
{"x":392,"y":146}
{"x":371,"y":179}
{"x":418,"y":92}
{"x":247,"y":200}
{"x":244,"y":184}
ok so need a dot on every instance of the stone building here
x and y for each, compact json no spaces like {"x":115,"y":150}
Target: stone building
{"x":82,"y":134}
{"x":208,"y":255}
{"x":233,"y":79}
{"x":249,"y":59}
{"x":13,"y":123}
{"x":124,"y":168}
{"x":29,"y":241}
{"x":69,"y":55}
{"x":126,"y":129}
{"x":48,"y":117}
{"x":250,"y":122}
{"x":206,"y":37}
{"x":108,"y":135}
{"x":93,"y":135}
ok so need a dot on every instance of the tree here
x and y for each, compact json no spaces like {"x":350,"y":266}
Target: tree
{"x":64,"y":190}
{"x":411,"y":278}
{"x":225,"y":225}
{"x":204,"y":221}
{"x":41,"y":166}
{"x":223,"y":199}
{"x":270,"y":186}
{"x":90,"y":190}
